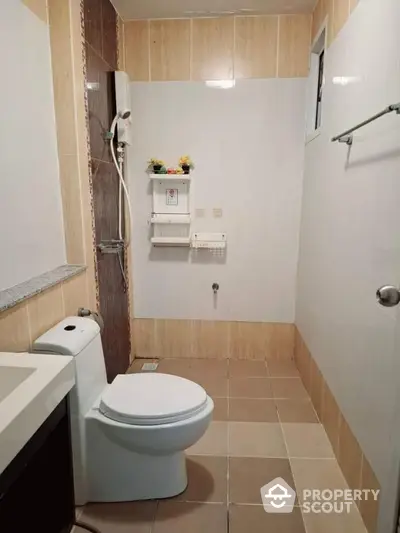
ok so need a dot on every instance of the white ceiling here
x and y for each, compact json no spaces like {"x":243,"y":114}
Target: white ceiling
{"x":144,"y":9}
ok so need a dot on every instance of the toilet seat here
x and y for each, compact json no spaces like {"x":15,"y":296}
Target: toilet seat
{"x":152,"y":399}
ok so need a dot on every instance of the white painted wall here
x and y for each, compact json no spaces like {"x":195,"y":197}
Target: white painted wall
{"x":350,"y":242}
{"x":248,"y":146}
{"x":31,"y":226}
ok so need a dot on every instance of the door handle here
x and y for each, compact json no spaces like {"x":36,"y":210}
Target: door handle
{"x":388,"y":296}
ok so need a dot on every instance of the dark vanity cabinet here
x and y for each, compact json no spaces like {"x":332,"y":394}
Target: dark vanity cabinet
{"x":36,"y":489}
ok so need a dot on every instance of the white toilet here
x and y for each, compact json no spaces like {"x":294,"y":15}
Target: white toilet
{"x":129,"y":437}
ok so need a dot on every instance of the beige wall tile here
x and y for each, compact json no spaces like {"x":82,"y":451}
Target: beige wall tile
{"x":250,"y":340}
{"x":369,"y":508}
{"x":75,"y":294}
{"x":317,"y":386}
{"x":294,"y":46}
{"x":304,"y":362}
{"x":256,"y":46}
{"x":341,"y":10}
{"x":72,"y":208}
{"x":137,"y":52}
{"x":320,"y":13}
{"x":39,"y":7}
{"x":14,"y":330}
{"x":170,"y":50}
{"x":45,"y":310}
{"x":174,"y":338}
{"x":331,"y":418}
{"x":281,"y":344}
{"x":211,"y":340}
{"x":144,"y":333}
{"x":349,"y":456}
{"x":353,"y":4}
{"x":212,"y":54}
{"x":59,"y":19}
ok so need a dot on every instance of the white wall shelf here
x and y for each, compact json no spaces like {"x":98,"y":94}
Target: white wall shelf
{"x":162,"y":218}
{"x":170,"y":216}
{"x":170,"y":177}
{"x":170,"y":241}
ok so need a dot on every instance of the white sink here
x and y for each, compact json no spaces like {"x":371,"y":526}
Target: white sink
{"x":31,"y":387}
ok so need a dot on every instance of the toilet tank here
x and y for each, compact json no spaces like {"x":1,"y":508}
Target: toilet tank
{"x":79,"y":337}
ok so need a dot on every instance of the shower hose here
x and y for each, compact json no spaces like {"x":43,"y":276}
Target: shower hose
{"x":83,"y":525}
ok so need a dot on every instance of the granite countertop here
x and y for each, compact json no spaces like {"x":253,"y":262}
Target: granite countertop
{"x":17,"y":294}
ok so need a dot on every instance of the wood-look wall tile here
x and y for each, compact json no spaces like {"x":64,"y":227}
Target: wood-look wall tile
{"x":281,"y":345}
{"x":303,"y":361}
{"x":213,"y":43}
{"x":320,"y":13}
{"x":45,"y":310}
{"x":121,"y":43}
{"x":250,"y":340}
{"x":349,"y":456}
{"x":71,"y":201}
{"x":211,"y":339}
{"x":170,"y":50}
{"x":144,"y":334}
{"x":174,"y":338}
{"x":137,"y":51}
{"x":341,"y":10}
{"x":38,"y":7}
{"x":61,"y":59}
{"x":294,"y":46}
{"x":75,"y":294}
{"x":353,"y":4}
{"x":93,"y":23}
{"x":256,"y":44}
{"x":109,"y":34}
{"x":369,"y":508}
{"x":14,"y":330}
{"x":331,"y":418}
{"x":317,"y":387}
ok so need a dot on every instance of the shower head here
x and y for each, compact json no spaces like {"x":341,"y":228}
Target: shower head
{"x":124,"y":114}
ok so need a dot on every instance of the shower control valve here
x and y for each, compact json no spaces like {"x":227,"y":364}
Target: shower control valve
{"x":215,"y":287}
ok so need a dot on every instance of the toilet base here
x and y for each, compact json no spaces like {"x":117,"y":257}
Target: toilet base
{"x":116,"y":474}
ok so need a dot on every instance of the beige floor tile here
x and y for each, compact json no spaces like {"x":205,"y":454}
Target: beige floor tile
{"x":254,"y":439}
{"x":174,"y":517}
{"x":296,"y":411}
{"x":248,"y":474}
{"x":245,"y":410}
{"x":253,"y":519}
{"x":288,"y":388}
{"x":137,"y":364}
{"x":216,"y":386}
{"x":213,"y":367}
{"x":207,"y":480}
{"x":220,"y":409}
{"x":335,"y":523}
{"x":213,"y":442}
{"x":307,"y":440}
{"x":133,"y":517}
{"x":241,"y":369}
{"x":282,"y":369}
{"x":317,"y":474}
{"x":250,"y":388}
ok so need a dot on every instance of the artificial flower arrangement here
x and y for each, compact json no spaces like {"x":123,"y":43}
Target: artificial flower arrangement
{"x":186,"y":164}
{"x":157,"y":166}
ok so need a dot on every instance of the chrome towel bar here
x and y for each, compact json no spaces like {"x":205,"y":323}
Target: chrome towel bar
{"x":347,"y":137}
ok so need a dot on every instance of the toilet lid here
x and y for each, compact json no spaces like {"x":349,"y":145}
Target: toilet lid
{"x":152,"y":399}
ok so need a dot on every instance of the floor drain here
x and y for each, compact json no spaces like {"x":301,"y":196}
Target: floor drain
{"x":149,"y":367}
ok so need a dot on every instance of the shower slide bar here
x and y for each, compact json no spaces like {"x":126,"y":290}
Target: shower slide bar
{"x":347,"y":137}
